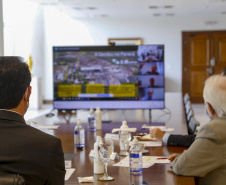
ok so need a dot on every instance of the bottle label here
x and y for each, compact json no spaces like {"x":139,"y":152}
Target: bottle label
{"x":79,"y":138}
{"x":136,"y":162}
{"x":92,"y":123}
{"x":134,"y":156}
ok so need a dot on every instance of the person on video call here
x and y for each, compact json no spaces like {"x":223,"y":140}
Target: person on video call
{"x":148,"y":95}
{"x":206,"y":157}
{"x":26,"y":151}
{"x":153,"y":70}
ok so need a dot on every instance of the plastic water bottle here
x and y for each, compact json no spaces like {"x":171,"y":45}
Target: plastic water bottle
{"x":135,"y":157}
{"x":98,"y":118}
{"x":98,"y":165}
{"x":125,"y":126}
{"x":137,"y":179}
{"x":79,"y":135}
{"x":91,"y":120}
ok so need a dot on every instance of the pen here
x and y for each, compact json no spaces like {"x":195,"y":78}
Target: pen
{"x":161,"y":158}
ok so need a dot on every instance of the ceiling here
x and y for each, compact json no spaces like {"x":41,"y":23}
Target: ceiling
{"x":136,"y":8}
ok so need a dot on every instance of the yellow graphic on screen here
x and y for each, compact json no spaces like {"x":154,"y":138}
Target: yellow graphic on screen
{"x":126,"y":90}
{"x":95,"y":89}
{"x":69,"y":90}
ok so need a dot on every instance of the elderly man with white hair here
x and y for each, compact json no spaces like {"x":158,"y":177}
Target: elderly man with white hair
{"x":206,"y":157}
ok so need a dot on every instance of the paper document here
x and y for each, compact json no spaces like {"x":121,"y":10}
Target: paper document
{"x":156,"y":159}
{"x":162,"y":128}
{"x":69,"y":172}
{"x":125,"y":163}
{"x":148,"y":143}
{"x":50,"y":127}
{"x":85,"y":179}
{"x":112,"y":136}
{"x":147,"y":161}
{"x":124,"y":129}
{"x":147,"y":137}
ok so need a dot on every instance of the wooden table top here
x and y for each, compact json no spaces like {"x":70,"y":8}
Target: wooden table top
{"x":158,"y":174}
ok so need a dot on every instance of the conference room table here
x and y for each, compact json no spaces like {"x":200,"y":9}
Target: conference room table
{"x":158,"y":174}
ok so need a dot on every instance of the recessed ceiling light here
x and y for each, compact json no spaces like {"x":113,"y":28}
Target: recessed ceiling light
{"x":170,"y":14}
{"x":153,"y":7}
{"x":104,"y":15}
{"x":168,"y":6}
{"x":92,"y":8}
{"x":77,"y":8}
{"x":156,"y":14}
{"x":48,"y":4}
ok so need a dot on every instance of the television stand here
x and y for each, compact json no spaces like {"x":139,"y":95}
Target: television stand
{"x":149,"y":115}
{"x":67,"y":114}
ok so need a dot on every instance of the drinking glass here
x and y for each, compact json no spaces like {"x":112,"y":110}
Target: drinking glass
{"x":105,"y":149}
{"x":124,"y":137}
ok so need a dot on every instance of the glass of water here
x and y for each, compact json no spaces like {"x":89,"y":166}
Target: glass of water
{"x":105,"y":149}
{"x":124,"y":137}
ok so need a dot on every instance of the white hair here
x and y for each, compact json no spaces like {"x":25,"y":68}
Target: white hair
{"x":215,"y":93}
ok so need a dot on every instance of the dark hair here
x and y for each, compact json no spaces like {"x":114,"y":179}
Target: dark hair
{"x":15,"y":77}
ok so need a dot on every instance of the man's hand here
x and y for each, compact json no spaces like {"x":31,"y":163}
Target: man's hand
{"x":156,"y":133}
{"x":172,"y":157}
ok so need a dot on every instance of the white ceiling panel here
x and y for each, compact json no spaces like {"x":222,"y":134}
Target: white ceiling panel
{"x":137,"y":8}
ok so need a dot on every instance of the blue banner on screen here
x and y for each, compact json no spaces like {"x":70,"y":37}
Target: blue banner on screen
{"x":109,"y":77}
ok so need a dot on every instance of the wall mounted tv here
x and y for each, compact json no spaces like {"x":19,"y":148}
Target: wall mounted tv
{"x":109,"y":77}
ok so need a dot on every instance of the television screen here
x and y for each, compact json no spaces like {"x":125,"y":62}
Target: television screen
{"x":109,"y":77}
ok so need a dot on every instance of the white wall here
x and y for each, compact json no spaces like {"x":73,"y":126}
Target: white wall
{"x":60,"y":29}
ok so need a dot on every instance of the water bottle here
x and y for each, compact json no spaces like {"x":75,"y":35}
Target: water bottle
{"x":137,"y":179}
{"x":79,"y":135}
{"x":98,"y":118}
{"x":91,"y":120}
{"x":98,"y":165}
{"x":124,"y":125}
{"x":135,"y":157}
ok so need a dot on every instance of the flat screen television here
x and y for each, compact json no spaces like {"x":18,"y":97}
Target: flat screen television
{"x":109,"y":77}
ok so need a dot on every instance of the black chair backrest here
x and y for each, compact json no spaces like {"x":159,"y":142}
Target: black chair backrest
{"x":188,"y":107}
{"x":189,"y":115}
{"x":11,"y":179}
{"x":192,"y":125}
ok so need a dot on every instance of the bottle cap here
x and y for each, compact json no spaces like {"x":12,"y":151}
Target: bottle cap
{"x":135,"y":140}
{"x":91,"y":111}
{"x":79,"y":122}
{"x":124,"y":124}
{"x":98,"y":108}
{"x":98,"y":138}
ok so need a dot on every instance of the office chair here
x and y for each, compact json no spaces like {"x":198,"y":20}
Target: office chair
{"x":188,"y":107}
{"x":186,"y":98}
{"x":189,"y":115}
{"x":192,"y":125}
{"x":11,"y":179}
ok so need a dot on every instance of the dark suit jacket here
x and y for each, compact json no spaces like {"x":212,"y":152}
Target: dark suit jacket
{"x":35,"y":155}
{"x":181,"y":140}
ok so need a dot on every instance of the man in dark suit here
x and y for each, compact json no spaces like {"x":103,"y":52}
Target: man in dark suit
{"x":171,"y":139}
{"x":24,"y":150}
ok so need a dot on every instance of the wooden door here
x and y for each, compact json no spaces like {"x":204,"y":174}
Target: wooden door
{"x":203,"y":55}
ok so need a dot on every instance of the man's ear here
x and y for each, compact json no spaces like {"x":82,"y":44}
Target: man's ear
{"x":210,"y":111}
{"x":27,"y":94}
